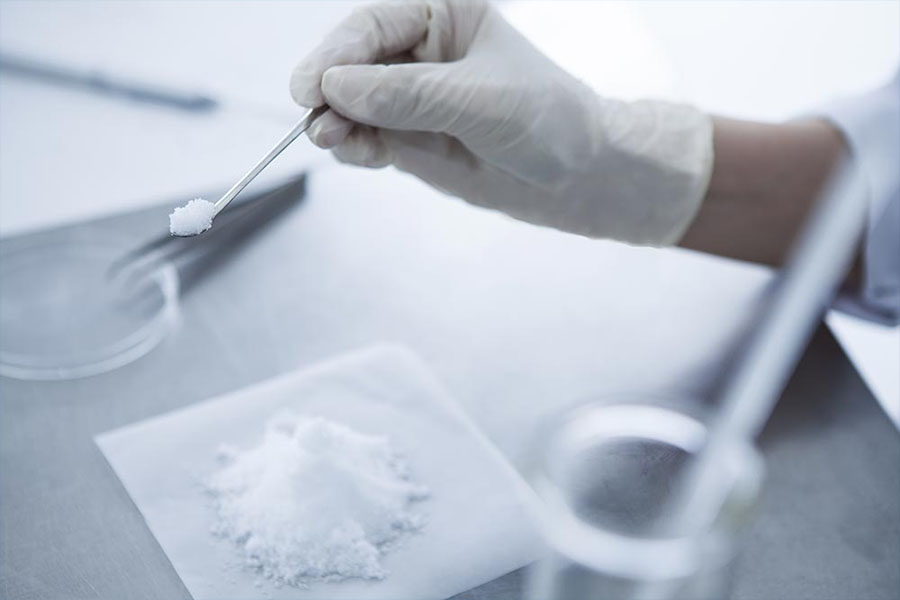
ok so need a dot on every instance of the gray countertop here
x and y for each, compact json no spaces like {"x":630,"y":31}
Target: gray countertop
{"x":517,"y":321}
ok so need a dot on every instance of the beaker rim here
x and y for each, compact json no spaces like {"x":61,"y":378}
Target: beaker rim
{"x":626,"y":554}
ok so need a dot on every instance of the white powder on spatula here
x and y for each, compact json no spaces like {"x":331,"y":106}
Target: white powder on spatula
{"x":315,"y":501}
{"x":194,"y":217}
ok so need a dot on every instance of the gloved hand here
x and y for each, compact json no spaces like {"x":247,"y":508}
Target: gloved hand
{"x":447,"y":90}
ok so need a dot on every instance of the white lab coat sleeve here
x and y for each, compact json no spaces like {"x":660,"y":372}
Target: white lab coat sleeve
{"x":871,"y":125}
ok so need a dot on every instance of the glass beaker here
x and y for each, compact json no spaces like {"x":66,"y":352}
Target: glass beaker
{"x":607,"y":474}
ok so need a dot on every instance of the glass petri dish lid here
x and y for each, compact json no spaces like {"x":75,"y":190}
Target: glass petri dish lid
{"x":63,"y":316}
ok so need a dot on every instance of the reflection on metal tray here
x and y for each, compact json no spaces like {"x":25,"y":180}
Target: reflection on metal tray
{"x":77,"y":305}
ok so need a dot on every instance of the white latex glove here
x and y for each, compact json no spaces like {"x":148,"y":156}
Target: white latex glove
{"x":463,"y":101}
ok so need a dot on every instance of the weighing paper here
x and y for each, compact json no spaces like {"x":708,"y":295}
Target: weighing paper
{"x":480,"y":516}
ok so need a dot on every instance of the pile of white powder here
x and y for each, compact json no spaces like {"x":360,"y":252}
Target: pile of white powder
{"x":194,"y":217}
{"x":315,"y":501}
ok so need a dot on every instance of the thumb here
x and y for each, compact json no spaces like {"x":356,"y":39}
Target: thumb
{"x":412,"y":96}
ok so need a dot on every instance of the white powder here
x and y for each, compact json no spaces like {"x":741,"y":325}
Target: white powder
{"x":194,"y":217}
{"x":315,"y":501}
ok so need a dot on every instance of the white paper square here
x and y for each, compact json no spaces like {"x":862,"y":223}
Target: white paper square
{"x":480,"y":521}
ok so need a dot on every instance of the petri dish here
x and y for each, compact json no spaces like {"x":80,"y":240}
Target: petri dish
{"x":62,"y":316}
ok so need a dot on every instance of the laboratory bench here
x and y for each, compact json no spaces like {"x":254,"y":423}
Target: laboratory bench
{"x":516,"y":321}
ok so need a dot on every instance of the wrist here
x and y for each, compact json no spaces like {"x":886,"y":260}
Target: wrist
{"x":764,"y":182}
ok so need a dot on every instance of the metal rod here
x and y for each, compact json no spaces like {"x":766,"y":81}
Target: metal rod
{"x":295,"y":131}
{"x":98,"y":82}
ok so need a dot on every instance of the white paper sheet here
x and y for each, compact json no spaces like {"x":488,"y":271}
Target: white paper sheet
{"x":480,"y":515}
